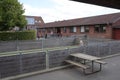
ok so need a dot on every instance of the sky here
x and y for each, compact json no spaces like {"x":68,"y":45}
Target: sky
{"x":57,"y":10}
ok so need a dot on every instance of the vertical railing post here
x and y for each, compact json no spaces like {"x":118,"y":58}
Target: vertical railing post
{"x":21,"y":63}
{"x":42,"y":44}
{"x":20,"y":55}
{"x":109,"y":48}
{"x":98,"y":48}
{"x":68,"y":50}
{"x":47,"y":60}
{"x":85,"y":43}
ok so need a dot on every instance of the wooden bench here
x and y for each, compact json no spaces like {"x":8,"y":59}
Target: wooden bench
{"x":77,"y":64}
{"x":86,"y":57}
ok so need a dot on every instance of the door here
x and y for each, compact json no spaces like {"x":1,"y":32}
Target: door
{"x":116,"y":33}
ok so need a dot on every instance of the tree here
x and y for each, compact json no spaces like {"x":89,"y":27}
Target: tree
{"x":11,"y":15}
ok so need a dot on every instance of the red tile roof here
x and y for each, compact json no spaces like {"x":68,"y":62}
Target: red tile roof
{"x":102,"y":19}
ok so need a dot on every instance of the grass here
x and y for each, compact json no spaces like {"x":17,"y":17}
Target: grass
{"x":35,"y":50}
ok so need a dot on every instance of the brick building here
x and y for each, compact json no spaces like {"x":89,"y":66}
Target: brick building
{"x":103,"y":26}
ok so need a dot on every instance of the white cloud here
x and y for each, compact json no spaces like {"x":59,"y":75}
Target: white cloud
{"x":64,"y":9}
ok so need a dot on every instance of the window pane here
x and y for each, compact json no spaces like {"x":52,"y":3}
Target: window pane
{"x":64,"y":29}
{"x":30,"y":20}
{"x":104,"y":29}
{"x":71,"y":29}
{"x":82,"y":29}
{"x":96,"y":28}
{"x":100,"y":28}
{"x":74,"y":29}
{"x":86,"y":29}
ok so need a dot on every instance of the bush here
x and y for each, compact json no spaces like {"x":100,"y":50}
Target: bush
{"x":20,"y":35}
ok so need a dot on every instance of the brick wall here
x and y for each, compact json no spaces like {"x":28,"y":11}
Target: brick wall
{"x":91,"y":33}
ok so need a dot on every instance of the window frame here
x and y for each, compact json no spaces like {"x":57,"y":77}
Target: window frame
{"x":84,"y":29}
{"x":73,"y":29}
{"x":64,"y":29}
{"x":100,"y":28}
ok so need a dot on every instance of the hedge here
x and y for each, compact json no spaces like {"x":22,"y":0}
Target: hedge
{"x":20,"y":35}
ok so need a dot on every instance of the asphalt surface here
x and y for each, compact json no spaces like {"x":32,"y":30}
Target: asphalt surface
{"x":110,"y":71}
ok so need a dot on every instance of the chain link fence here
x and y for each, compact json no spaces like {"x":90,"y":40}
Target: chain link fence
{"x":19,"y":57}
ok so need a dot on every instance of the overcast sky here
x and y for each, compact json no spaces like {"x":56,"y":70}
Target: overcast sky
{"x":56,"y":10}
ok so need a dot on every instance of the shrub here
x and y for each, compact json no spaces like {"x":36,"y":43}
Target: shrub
{"x":20,"y":35}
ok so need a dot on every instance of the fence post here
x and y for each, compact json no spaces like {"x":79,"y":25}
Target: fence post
{"x":109,"y":48}
{"x":85,"y":42}
{"x":68,"y":50}
{"x":21,"y":64}
{"x":42,"y":44}
{"x":47,"y":60}
{"x":98,"y":48}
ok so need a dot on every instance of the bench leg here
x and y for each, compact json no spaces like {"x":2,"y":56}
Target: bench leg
{"x":84,"y":61}
{"x":87,"y":73}
{"x":92,"y":69}
{"x":84,"y":71}
{"x":100,"y":66}
{"x":92,"y":66}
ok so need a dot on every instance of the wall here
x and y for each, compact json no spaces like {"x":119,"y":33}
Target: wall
{"x":116,"y":30}
{"x":91,"y":33}
{"x":106,"y":35}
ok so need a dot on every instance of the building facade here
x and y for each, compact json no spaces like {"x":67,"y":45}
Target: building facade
{"x":33,"y":22}
{"x":103,"y":26}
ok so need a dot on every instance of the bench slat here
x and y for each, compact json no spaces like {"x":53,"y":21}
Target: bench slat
{"x":102,"y":62}
{"x":77,"y":64}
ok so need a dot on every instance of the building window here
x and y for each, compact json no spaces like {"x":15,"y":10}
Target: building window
{"x":100,"y":28}
{"x":64,"y":29}
{"x":73,"y":29}
{"x":30,"y":20}
{"x":84,"y":29}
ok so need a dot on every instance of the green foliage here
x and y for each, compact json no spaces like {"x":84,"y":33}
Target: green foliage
{"x":21,"y":35}
{"x":11,"y":15}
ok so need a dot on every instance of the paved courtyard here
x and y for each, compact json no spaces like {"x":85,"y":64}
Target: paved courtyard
{"x":110,"y":71}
